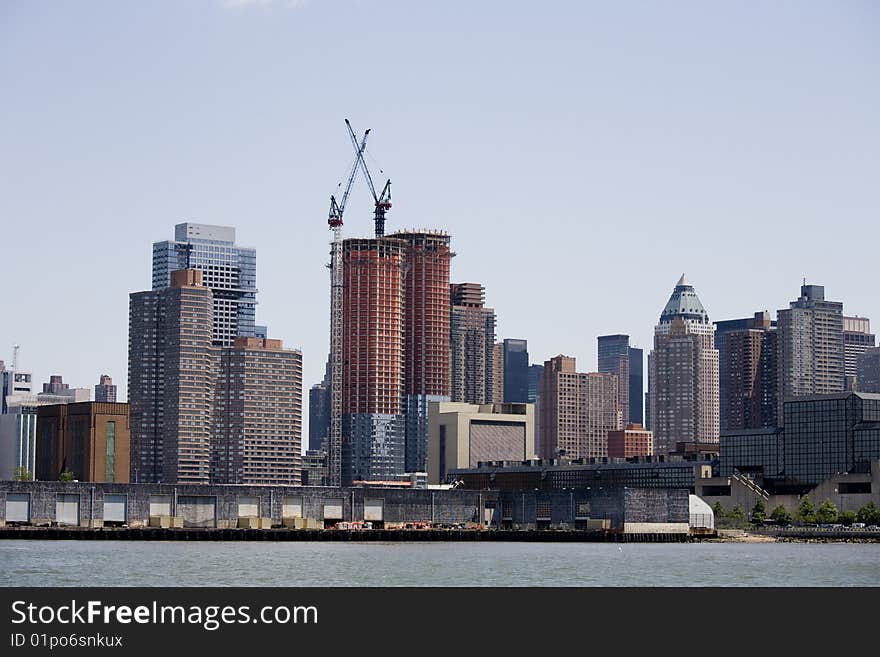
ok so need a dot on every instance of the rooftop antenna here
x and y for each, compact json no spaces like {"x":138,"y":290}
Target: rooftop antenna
{"x":15,"y":349}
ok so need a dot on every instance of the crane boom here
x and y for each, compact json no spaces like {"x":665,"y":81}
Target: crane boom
{"x":383,"y":200}
{"x":338,"y":209}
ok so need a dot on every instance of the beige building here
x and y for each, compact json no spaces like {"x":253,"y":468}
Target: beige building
{"x":498,"y":372}
{"x":578,"y":409}
{"x":462,"y":435}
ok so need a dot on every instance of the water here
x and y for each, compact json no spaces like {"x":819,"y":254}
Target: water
{"x":148,"y":563}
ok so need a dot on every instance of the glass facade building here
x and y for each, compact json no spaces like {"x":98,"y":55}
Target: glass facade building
{"x":230,"y":272}
{"x":516,"y":371}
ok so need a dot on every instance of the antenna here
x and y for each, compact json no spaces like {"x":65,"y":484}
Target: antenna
{"x":15,"y":349}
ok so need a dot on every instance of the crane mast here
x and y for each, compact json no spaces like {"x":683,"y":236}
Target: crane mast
{"x":337,"y":210}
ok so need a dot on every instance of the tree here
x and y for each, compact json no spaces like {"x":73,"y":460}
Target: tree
{"x":22,"y":474}
{"x":806,"y":511}
{"x":869,"y":514}
{"x":827,"y":513}
{"x":67,"y":475}
{"x":848,"y":517}
{"x":781,"y":515}
{"x":718,"y":510}
{"x":759,"y":512}
{"x":736,"y":513}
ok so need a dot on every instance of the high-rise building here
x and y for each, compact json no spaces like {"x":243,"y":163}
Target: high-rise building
{"x":425,"y":335}
{"x":472,"y":329}
{"x":577,"y":411}
{"x":105,"y":391}
{"x":683,"y":373}
{"x":373,"y":421}
{"x":319,"y":415}
{"x":314,"y":468}
{"x":257,"y":433}
{"x":88,"y":439}
{"x":614,"y":359}
{"x":229,"y":271}
{"x":633,"y":440}
{"x":747,"y":372}
{"x":636,"y":385}
{"x":497,"y":395}
{"x":810,"y":351}
{"x":171,"y":376}
{"x":868,"y":370}
{"x":516,"y":371}
{"x":535,"y":372}
{"x":857,"y":338}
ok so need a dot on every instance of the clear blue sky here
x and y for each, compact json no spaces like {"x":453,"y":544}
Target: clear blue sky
{"x":581,"y":154}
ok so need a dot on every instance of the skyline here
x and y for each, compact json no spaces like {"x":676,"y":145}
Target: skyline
{"x":95,"y":162}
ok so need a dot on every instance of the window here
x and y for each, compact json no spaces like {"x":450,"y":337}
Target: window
{"x":111,"y":451}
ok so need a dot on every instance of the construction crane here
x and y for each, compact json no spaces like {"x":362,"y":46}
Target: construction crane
{"x":382,"y":200}
{"x":337,"y":209}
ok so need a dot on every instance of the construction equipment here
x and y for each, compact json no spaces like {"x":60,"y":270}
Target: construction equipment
{"x":334,"y":438}
{"x":382,"y":200}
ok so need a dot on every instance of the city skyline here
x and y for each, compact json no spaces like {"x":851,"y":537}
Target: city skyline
{"x":280,"y":209}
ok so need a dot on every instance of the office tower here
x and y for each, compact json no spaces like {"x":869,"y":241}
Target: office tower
{"x":516,"y":371}
{"x":14,"y":385}
{"x":463,"y":435}
{"x":683,"y":373}
{"x":535,"y":372}
{"x":171,"y":376}
{"x":257,"y":435}
{"x":648,"y":399}
{"x":319,"y":415}
{"x":58,"y":392}
{"x":472,"y":328}
{"x":634,"y":440}
{"x":373,"y":442}
{"x":820,"y":436}
{"x":105,"y":391}
{"x":810,"y":353}
{"x":868,"y":370}
{"x":614,"y":359}
{"x":497,"y":394}
{"x":857,"y":338}
{"x":426,"y":372}
{"x":747,"y":372}
{"x":636,"y":385}
{"x":229,"y":271}
{"x":577,"y":411}
{"x":18,"y":441}
{"x":91,"y":440}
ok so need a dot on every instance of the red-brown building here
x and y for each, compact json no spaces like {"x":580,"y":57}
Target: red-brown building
{"x":635,"y":440}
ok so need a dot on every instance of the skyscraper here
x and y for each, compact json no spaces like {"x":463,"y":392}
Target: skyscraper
{"x":810,"y":356}
{"x":577,"y":411}
{"x":472,"y":329}
{"x":229,"y":271}
{"x":497,"y":389}
{"x":636,"y":385}
{"x":171,"y":376}
{"x":105,"y":391}
{"x":319,"y":415}
{"x":425,"y":335}
{"x":868,"y":370}
{"x":257,"y":433}
{"x":516,"y":371}
{"x":857,"y":338}
{"x":373,"y":433}
{"x":535,"y":372}
{"x":683,"y":373}
{"x":747,"y":372}
{"x":614,"y":359}
{"x":14,"y":385}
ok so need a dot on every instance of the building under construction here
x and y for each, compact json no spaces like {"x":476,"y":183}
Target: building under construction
{"x":372,"y":357}
{"x":426,"y":335}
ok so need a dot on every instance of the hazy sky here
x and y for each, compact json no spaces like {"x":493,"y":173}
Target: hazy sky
{"x":581,"y":154}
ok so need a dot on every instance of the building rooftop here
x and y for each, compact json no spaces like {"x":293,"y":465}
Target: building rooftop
{"x":684,"y":303}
